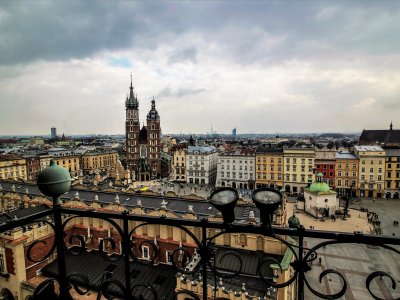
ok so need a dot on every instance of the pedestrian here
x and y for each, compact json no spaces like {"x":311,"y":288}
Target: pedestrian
{"x":320,"y":261}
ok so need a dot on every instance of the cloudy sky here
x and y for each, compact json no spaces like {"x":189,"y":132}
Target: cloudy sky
{"x":260,"y":66}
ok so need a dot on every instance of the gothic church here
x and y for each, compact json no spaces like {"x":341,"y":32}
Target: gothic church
{"x":143,"y":145}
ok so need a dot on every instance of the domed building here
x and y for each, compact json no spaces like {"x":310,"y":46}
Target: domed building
{"x":320,"y":199}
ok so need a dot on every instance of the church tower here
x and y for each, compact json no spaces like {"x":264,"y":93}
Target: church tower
{"x":154,"y":140}
{"x":132,"y":128}
{"x":143,"y":144}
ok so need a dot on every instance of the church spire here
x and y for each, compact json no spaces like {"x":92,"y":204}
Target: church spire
{"x":132,"y":102}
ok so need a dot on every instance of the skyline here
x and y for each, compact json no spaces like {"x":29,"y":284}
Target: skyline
{"x":262,"y":67}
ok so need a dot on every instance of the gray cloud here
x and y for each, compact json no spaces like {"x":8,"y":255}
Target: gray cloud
{"x":269,"y":65}
{"x":188,"y":54}
{"x":247,"y":32}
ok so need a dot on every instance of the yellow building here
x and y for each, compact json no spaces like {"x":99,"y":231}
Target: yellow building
{"x":71,"y":163}
{"x":346,"y":173}
{"x":298,"y":168}
{"x":95,"y":160}
{"x":12,"y":167}
{"x":269,"y":167}
{"x":371,"y":173}
{"x":392,"y":178}
{"x":179,"y":162}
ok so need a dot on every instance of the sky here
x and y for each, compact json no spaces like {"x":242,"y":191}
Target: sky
{"x":259,"y":66}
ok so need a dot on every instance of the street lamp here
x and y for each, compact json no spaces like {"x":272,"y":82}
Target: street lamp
{"x":348,"y":196}
{"x":225,"y":199}
{"x":267,"y":200}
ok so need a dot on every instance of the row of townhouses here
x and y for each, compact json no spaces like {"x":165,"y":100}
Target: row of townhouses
{"x":26,"y":166}
{"x":365,"y":171}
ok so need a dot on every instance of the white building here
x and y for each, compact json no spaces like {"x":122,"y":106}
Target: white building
{"x":319,"y":199}
{"x":201,"y":164}
{"x":236,"y":168}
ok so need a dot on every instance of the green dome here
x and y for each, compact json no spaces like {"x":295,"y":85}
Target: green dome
{"x":319,"y":187}
{"x":293,"y":221}
{"x":319,"y":174}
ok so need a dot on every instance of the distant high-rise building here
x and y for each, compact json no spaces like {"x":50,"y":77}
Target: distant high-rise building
{"x":143,"y":145}
{"x":234,"y":132}
{"x":53,"y":132}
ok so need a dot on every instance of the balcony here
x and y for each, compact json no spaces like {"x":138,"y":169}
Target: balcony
{"x":139,"y":253}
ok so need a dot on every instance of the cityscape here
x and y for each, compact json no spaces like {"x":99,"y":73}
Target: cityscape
{"x":158,"y":171}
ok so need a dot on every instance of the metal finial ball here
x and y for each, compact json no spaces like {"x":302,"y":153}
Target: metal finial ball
{"x":54,"y":180}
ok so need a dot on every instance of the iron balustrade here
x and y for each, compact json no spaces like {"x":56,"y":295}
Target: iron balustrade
{"x":301,"y":263}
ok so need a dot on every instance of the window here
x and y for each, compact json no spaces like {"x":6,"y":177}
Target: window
{"x":346,"y":183}
{"x":371,"y":177}
{"x":379,"y":170}
{"x":339,"y":173}
{"x":339,"y":182}
{"x":363,"y":170}
{"x":379,"y":177}
{"x":169,"y":257}
{"x":354,"y":166}
{"x":145,"y":252}
{"x":371,"y":170}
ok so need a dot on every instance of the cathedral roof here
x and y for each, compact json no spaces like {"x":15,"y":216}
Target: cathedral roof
{"x":153,"y":113}
{"x":132,"y":101}
{"x":143,"y":135}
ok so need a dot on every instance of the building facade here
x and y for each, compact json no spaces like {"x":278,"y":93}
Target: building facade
{"x":298,"y":168}
{"x":98,"y":160}
{"x":325,"y":163}
{"x":179,"y":153}
{"x":236,"y":168}
{"x":71,"y":163}
{"x":346,"y":181}
{"x":143,"y":145}
{"x":201,"y":165}
{"x":32,"y":167}
{"x":392,"y":177}
{"x":371,"y":171}
{"x":269,"y":167}
{"x":12,"y":167}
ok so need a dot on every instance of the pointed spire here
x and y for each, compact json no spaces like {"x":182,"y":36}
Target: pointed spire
{"x":391,"y":125}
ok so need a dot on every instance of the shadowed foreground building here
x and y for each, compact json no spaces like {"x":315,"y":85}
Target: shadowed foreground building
{"x":21,"y":275}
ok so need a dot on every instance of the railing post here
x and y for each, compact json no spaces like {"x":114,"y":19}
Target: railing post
{"x":126,"y":245}
{"x":59,"y":240}
{"x":300,"y":281}
{"x":204,"y":255}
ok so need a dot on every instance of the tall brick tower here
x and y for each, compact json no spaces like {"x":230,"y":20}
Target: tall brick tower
{"x":143,"y":145}
{"x":154,"y":141}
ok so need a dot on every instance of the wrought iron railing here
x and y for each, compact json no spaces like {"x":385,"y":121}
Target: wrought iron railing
{"x":199,"y":267}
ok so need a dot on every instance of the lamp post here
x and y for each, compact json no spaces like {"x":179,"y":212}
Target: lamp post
{"x":267,"y":200}
{"x":347,"y":201}
{"x":225,"y":199}
{"x":53,"y":182}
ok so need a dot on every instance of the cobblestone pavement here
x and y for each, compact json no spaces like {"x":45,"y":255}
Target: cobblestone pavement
{"x":355,"y":262}
{"x":387,"y":209}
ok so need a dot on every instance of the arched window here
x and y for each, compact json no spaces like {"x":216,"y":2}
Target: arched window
{"x":143,"y":151}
